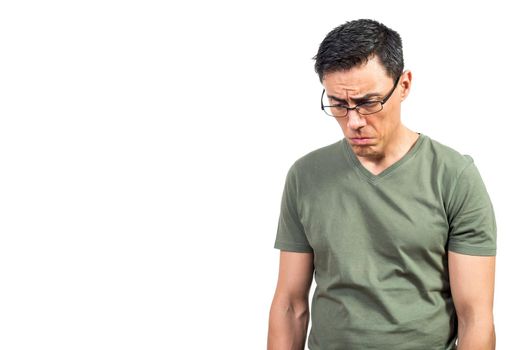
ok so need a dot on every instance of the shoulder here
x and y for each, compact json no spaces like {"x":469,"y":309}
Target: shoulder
{"x":445,"y":159}
{"x":325,"y":157}
{"x":320,"y":165}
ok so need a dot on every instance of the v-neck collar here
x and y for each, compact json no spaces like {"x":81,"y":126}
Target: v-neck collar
{"x":368,"y":175}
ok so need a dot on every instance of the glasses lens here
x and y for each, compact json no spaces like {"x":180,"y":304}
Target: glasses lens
{"x":370,"y":107}
{"x":333,"y":108}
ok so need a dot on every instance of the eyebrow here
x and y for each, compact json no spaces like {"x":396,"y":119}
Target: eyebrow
{"x":358,"y":99}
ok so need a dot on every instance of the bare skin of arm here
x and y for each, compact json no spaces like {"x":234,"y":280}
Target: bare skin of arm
{"x":289,"y":314}
{"x":472,"y":281}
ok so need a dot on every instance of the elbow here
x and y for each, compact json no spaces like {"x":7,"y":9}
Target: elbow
{"x":290,"y":311}
{"x":288,"y":323}
{"x":471,"y":317}
{"x":484,"y":326}
{"x":295,"y":309}
{"x":300,"y":308}
{"x":476,"y":332}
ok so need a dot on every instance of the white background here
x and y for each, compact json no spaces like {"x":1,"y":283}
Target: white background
{"x":144,"y":147}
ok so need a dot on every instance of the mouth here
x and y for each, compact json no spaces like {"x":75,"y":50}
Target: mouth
{"x":361,"y":140}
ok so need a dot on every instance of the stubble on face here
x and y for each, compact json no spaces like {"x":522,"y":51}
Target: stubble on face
{"x":368,"y":151}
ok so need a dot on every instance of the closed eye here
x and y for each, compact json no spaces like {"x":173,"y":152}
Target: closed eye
{"x":368,"y":103}
{"x":363,"y":103}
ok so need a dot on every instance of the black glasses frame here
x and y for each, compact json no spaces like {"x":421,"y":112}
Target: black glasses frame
{"x":384,"y":100}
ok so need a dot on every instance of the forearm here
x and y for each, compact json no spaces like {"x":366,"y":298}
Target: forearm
{"x":288,"y":326}
{"x":476,"y":336}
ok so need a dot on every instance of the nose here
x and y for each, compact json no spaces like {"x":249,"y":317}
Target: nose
{"x":355,"y":120}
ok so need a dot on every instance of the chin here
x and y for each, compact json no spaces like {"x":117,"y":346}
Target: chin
{"x":366,"y":152}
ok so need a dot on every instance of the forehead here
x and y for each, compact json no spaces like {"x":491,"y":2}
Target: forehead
{"x":368,"y":77}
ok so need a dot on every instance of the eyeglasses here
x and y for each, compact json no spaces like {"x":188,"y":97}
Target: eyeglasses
{"x":363,"y":108}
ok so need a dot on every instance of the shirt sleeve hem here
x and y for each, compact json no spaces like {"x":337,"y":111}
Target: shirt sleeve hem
{"x":293,"y":247}
{"x":471,"y":250}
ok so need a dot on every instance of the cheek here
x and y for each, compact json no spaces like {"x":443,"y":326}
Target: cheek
{"x":383,"y":124}
{"x":376,"y":125}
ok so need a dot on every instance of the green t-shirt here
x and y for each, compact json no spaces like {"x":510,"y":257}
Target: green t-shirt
{"x":380,"y":243}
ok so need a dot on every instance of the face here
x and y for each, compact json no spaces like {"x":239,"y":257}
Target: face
{"x":370,"y":136}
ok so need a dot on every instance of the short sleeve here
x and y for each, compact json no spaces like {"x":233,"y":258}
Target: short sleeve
{"x":472,"y":226}
{"x":291,"y":235}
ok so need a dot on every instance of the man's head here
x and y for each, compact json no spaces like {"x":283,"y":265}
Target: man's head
{"x":359,"y":62}
{"x":353,"y":43}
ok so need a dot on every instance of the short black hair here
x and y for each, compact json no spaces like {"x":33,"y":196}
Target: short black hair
{"x":353,"y":43}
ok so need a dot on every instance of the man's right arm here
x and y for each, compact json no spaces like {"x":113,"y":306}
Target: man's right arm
{"x":289,"y":314}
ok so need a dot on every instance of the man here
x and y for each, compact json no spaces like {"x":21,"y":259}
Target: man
{"x":397,"y":228}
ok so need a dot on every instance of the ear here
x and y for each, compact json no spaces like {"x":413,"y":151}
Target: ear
{"x":405,"y":84}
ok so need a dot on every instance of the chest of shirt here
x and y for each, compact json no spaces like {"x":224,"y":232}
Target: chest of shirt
{"x":398,"y":218}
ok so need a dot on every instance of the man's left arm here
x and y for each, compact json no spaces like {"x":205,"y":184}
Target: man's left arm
{"x":472,"y":282}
